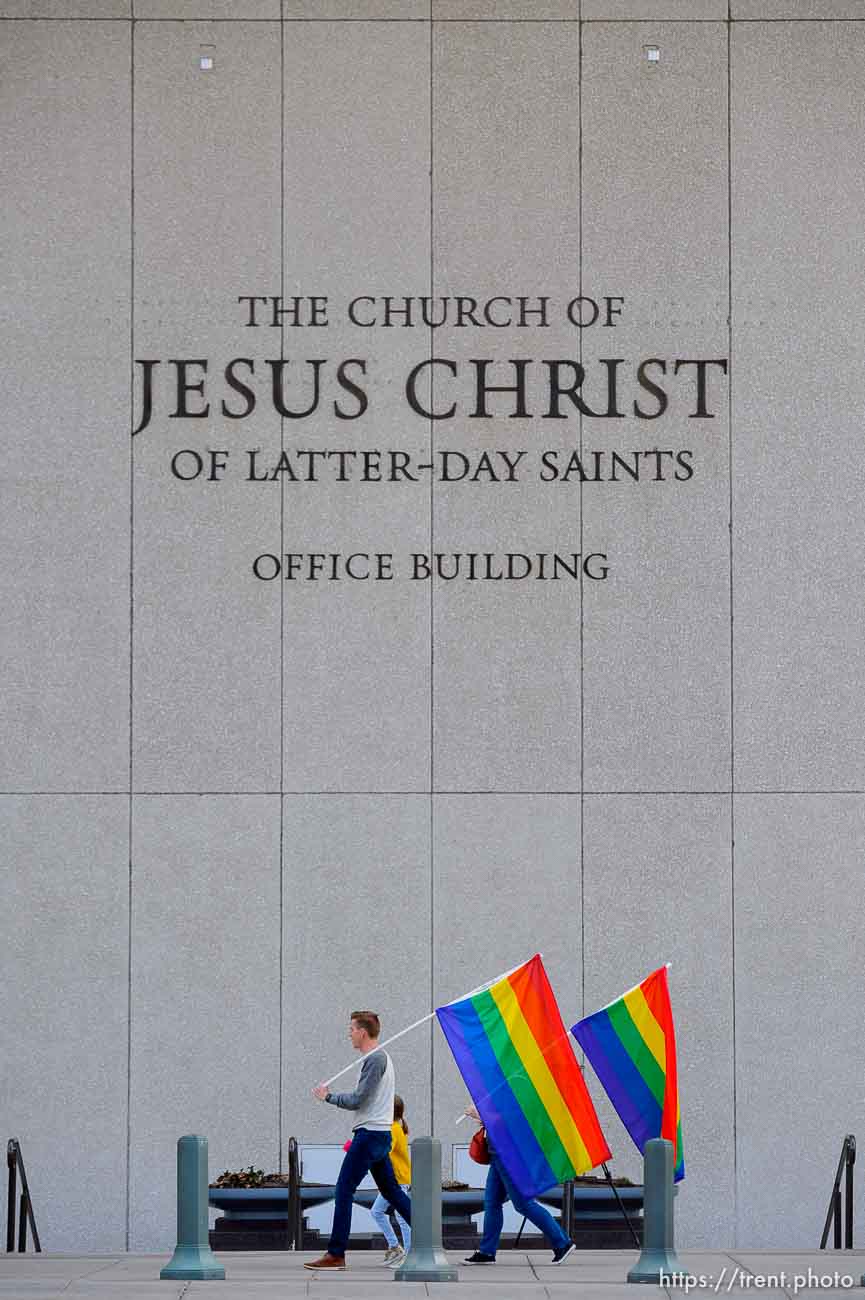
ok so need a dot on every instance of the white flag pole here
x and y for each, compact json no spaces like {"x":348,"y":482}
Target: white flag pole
{"x":481,"y":988}
{"x":386,"y":1043}
{"x":667,"y":964}
{"x":424,"y":1019}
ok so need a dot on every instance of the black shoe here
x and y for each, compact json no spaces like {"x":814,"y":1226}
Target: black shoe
{"x":559,"y":1256}
{"x":480,"y":1258}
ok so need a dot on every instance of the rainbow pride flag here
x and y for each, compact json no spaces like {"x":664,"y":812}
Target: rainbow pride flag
{"x":516,"y":1059}
{"x":631,"y":1044}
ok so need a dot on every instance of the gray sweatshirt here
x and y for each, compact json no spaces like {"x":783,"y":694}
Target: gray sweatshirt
{"x":372,"y":1099}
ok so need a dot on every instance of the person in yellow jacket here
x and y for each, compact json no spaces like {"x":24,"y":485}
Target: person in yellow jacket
{"x":399,"y":1158}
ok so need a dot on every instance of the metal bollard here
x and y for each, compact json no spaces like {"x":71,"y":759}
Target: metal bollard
{"x":193,"y":1259}
{"x":426,"y":1261}
{"x":658,"y":1260}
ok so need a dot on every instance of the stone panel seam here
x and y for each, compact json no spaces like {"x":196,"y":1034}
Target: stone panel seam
{"x":733,"y":1062}
{"x":128,"y":1188}
{"x":46,"y":18}
{"x":432,"y":893}
{"x":582,"y":842}
{"x":794,"y":21}
{"x":239,"y":794}
{"x":53,"y":18}
{"x":280,"y":1077}
{"x":345,"y":794}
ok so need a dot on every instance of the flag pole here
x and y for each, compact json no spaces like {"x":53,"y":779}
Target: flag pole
{"x":668,"y":965}
{"x":423,"y":1020}
{"x":386,"y":1043}
{"x":482,"y":987}
{"x":621,"y":1204}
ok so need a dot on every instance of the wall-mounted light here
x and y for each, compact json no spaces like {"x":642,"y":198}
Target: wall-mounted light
{"x":206,"y":58}
{"x":653,"y":53}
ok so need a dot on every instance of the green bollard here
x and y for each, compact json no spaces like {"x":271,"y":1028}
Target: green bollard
{"x":658,"y":1261}
{"x":426,"y":1261}
{"x":193,"y":1260}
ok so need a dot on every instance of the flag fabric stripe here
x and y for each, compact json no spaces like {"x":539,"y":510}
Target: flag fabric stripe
{"x":507,"y":1036}
{"x":535,"y":994}
{"x":622,"y":1023}
{"x":484,"y":1076}
{"x":514,"y":1141}
{"x":658,"y":1002}
{"x":517,"y":1061}
{"x":537,"y":1068}
{"x":545,"y":1066}
{"x":631,"y":1044}
{"x":643,"y":1016}
{"x":638,"y":1109}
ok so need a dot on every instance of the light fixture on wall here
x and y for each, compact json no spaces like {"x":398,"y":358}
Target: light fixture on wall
{"x":206,"y":58}
{"x":653,"y":53}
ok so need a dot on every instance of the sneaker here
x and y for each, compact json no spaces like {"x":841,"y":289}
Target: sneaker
{"x":480,"y":1258}
{"x":395,"y":1257}
{"x":560,"y":1255}
{"x":326,"y":1261}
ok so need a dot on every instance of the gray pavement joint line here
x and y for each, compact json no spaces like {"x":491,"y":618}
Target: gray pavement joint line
{"x":103,"y":1268}
{"x":530,"y":1263}
{"x":743,"y":1267}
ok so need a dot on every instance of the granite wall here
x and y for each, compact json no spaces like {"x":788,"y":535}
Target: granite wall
{"x":235,"y":808}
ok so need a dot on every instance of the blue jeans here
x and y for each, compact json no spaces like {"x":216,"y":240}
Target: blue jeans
{"x":368,"y":1154}
{"x":379,"y":1213}
{"x":499,"y":1189}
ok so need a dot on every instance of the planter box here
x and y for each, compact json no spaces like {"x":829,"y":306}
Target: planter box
{"x":256,"y":1218}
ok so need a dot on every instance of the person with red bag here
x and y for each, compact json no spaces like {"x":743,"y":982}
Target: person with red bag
{"x":497,"y":1190}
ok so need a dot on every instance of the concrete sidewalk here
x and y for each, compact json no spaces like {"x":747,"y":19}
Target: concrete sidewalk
{"x":516,"y":1275}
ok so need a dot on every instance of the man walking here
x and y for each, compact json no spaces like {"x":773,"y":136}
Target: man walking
{"x":372,"y":1102}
